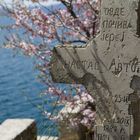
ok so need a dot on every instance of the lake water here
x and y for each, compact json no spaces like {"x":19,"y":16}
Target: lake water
{"x":19,"y":87}
{"x":19,"y":90}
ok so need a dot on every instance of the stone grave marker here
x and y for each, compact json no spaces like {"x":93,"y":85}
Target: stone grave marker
{"x":109,"y":67}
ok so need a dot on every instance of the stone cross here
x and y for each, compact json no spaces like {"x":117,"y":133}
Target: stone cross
{"x":109,"y":67}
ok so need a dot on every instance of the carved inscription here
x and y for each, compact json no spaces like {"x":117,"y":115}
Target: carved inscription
{"x":115,"y":29}
{"x":82,"y":64}
{"x":131,"y":66}
{"x":117,"y":24}
{"x":121,"y":99}
{"x":116,"y":129}
{"x":111,"y":37}
{"x":115,"y":20}
{"x":114,"y":11}
{"x":115,"y":66}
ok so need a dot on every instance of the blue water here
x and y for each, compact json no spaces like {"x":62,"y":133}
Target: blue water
{"x":20,"y":90}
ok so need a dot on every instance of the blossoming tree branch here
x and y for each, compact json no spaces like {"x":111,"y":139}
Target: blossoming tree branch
{"x":37,"y":29}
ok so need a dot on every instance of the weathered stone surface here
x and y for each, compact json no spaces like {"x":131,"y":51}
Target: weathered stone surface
{"x":107,"y":67}
{"x":18,"y":129}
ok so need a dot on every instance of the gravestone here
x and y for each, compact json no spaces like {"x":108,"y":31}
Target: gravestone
{"x":109,"y":67}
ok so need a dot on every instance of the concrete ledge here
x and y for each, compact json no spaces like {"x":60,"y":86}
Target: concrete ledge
{"x":46,"y":138}
{"x":18,"y":129}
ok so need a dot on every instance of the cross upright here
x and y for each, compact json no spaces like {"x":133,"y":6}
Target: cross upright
{"x":107,"y":67}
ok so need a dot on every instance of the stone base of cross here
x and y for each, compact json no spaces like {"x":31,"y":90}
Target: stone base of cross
{"x":109,"y":68}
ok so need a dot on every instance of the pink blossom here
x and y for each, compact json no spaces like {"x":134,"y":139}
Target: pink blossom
{"x":77,"y":22}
